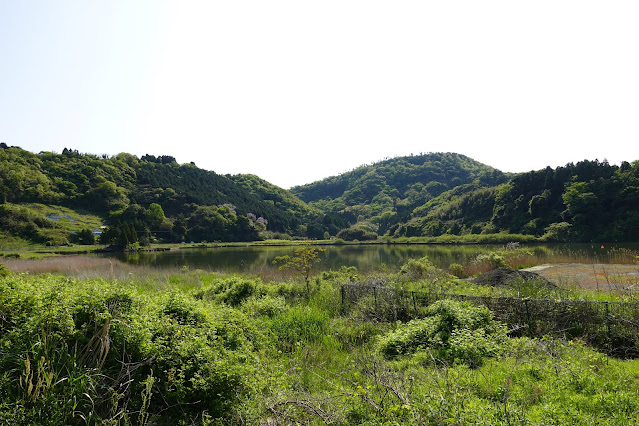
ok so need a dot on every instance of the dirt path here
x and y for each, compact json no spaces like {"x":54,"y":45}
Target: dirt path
{"x":593,"y":276}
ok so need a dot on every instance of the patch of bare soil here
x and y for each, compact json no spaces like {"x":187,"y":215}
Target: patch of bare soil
{"x":593,"y":276}
{"x":507,"y":276}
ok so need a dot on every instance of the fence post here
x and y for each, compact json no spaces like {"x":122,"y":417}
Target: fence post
{"x":342,"y":294}
{"x":608,"y":322}
{"x":530,"y":330}
{"x":375,"y":295}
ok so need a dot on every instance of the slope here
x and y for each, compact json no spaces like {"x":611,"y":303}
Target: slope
{"x":386,"y":193}
{"x":150,"y":198}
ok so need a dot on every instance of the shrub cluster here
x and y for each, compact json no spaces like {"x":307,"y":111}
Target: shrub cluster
{"x":88,"y":351}
{"x":453,"y":332}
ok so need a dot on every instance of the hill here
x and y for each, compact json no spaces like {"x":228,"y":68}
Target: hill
{"x":435,"y":196}
{"x":444,"y":195}
{"x":145,"y":199}
{"x":589,"y":201}
{"x":386,"y":193}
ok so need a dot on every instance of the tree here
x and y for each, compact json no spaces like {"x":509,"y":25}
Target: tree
{"x":86,"y":237}
{"x":301,"y":262}
{"x":156,"y":214}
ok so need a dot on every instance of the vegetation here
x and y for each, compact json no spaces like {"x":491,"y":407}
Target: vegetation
{"x":435,"y":197}
{"x":22,"y":222}
{"x":191,"y":347}
{"x":452,"y":332}
{"x":142,"y":200}
{"x":583,"y":202}
{"x":441,"y":196}
{"x":301,"y":262}
{"x":384,"y":194}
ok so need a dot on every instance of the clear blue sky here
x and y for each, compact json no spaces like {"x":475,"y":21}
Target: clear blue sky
{"x":295,"y":91}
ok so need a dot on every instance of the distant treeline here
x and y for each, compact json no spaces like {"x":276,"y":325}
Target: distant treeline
{"x":155,"y":198}
{"x":583,"y":202}
{"x":440,"y":194}
{"x":428,"y":195}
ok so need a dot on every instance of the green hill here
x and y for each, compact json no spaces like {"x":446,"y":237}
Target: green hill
{"x":435,"y":196}
{"x":145,"y":199}
{"x":588,"y":201}
{"x":383,"y":194}
{"x":440,"y":195}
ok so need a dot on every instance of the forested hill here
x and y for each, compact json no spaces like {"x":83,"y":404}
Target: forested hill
{"x":589,"y":201}
{"x":148,"y":198}
{"x":431,"y":195}
{"x":444,"y":194}
{"x":380,"y":195}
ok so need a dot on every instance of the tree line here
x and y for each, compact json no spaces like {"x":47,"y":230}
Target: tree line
{"x":153,"y":198}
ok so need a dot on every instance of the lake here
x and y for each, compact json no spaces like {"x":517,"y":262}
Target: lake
{"x":382,"y":257}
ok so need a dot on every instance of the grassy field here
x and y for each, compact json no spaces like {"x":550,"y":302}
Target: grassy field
{"x":71,"y":220}
{"x":94,"y":341}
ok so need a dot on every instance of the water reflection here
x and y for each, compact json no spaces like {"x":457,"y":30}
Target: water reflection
{"x":387,"y":257}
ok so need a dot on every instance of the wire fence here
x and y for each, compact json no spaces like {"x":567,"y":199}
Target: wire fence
{"x":612,"y":327}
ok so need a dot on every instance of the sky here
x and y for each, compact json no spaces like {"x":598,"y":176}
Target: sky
{"x":296,"y":91}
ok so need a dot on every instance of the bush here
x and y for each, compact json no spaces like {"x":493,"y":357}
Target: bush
{"x":183,"y":310}
{"x":452,"y":331}
{"x":345,"y":274}
{"x":4,"y":272}
{"x":356,"y":233}
{"x":267,"y":306}
{"x":300,"y":325}
{"x":232,"y":290}
{"x":457,"y":270}
{"x":419,"y":269}
{"x":493,"y":259}
{"x":105,"y":354}
{"x":83,"y":237}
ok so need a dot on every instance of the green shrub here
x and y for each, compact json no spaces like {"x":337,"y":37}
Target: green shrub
{"x":238,"y":292}
{"x":267,"y":306}
{"x":231,"y":290}
{"x":300,"y":324}
{"x":452,"y":331}
{"x":91,"y":352}
{"x":4,"y":272}
{"x":457,"y":270}
{"x":493,"y":259}
{"x":182,"y":310}
{"x":345,"y":274}
{"x":356,"y":233}
{"x":419,"y":269}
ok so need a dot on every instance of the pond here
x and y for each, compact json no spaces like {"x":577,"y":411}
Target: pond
{"x":367,"y":258}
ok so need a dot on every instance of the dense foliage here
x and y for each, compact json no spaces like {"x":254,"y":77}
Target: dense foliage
{"x":452,"y":331}
{"x":445,"y":194}
{"x":202,"y":348}
{"x":385,"y":193}
{"x":587,"y":201}
{"x":151,"y":198}
{"x":437,"y":195}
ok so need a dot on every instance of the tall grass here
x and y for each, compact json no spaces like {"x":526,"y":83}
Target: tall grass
{"x":148,"y":346}
{"x":524,"y":257}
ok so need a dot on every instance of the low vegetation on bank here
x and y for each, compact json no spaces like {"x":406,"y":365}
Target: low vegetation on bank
{"x":141,"y":346}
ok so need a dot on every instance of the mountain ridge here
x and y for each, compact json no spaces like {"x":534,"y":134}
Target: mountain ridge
{"x":430,"y":195}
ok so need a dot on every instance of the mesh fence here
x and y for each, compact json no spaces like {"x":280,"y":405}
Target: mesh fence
{"x":612,"y":327}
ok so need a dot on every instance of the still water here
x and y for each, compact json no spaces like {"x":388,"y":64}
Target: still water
{"x":366,"y":258}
